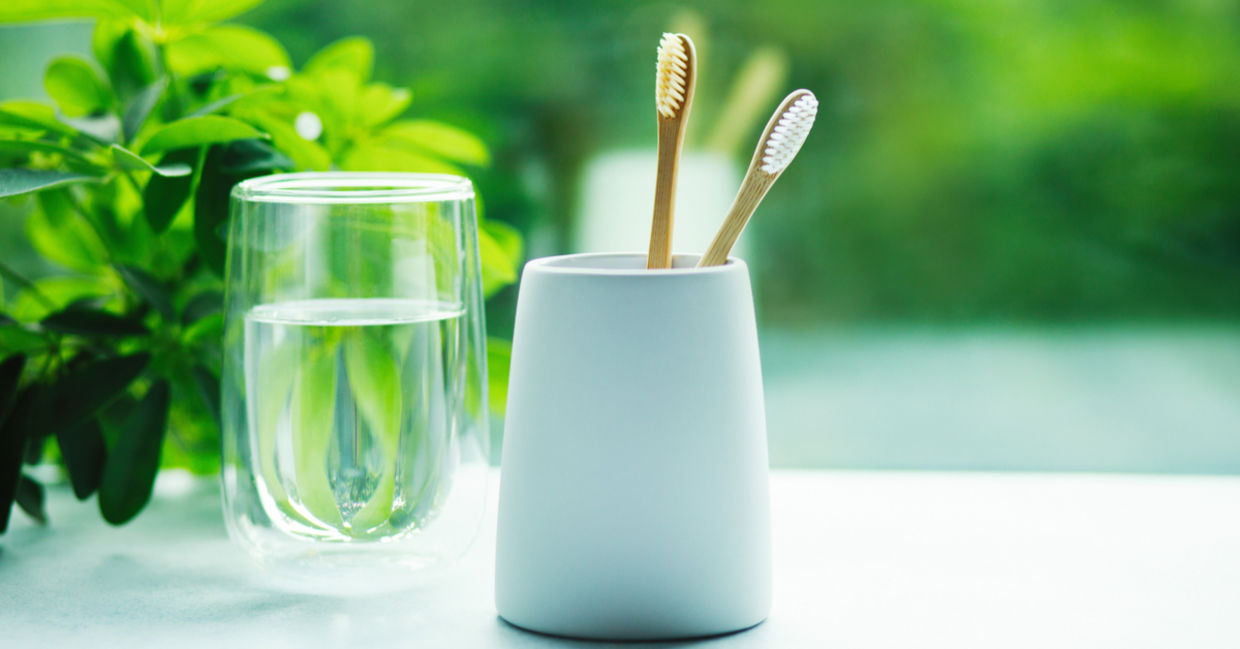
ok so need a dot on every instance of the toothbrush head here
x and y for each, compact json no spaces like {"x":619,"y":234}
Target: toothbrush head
{"x":673,"y":82}
{"x":788,"y":129}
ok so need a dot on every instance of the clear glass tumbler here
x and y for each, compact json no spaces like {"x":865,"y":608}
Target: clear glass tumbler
{"x":354,"y":381}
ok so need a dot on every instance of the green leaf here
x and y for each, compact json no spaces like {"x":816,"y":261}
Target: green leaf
{"x":374,"y":155}
{"x":76,"y":87}
{"x":33,"y":115}
{"x":306,"y":154}
{"x":216,"y":106}
{"x":13,"y":11}
{"x":499,"y":360}
{"x":104,"y":37}
{"x":437,"y":138}
{"x":92,"y":323}
{"x":207,"y":328}
{"x":194,"y":12}
{"x":211,"y":205}
{"x":164,"y":196}
{"x":254,"y":94}
{"x":383,"y":103}
{"x":10,"y":374}
{"x":103,"y":128}
{"x":211,"y":211}
{"x":201,"y":305}
{"x":80,"y":393}
{"x":30,"y":498}
{"x":252,"y":156}
{"x":506,"y":237}
{"x":378,"y":508}
{"x":234,"y":47}
{"x":277,"y":373}
{"x":14,"y":430}
{"x":375,"y":381}
{"x":126,"y":159}
{"x":84,"y":453}
{"x":313,"y":411}
{"x":333,"y":95}
{"x":61,"y":235}
{"x":23,"y":181}
{"x":113,"y":416}
{"x":353,"y":55}
{"x":15,"y":338}
{"x":129,"y":472}
{"x":149,"y":289}
{"x":199,"y":131}
{"x":142,"y":9}
{"x":35,"y":447}
{"x":499,"y":264}
{"x":60,"y":290}
{"x":42,"y":146}
{"x":130,"y":62}
{"x":140,"y":107}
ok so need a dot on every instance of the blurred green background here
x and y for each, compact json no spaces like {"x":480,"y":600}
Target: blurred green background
{"x":1012,"y":240}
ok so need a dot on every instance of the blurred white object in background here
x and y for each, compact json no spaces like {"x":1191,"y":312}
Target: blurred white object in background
{"x":618,"y":195}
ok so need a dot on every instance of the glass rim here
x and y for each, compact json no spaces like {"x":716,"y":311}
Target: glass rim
{"x":345,"y":187}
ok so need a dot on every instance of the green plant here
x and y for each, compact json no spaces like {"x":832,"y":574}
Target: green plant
{"x":125,"y":182}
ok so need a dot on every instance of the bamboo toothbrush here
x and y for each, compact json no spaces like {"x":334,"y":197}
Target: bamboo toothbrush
{"x":675,"y":75}
{"x":781,"y":140}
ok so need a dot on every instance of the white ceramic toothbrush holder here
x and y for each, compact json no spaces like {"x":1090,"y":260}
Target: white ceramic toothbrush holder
{"x":634,"y":490}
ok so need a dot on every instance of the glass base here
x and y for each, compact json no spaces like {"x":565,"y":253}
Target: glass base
{"x":304,"y":565}
{"x":349,"y":571}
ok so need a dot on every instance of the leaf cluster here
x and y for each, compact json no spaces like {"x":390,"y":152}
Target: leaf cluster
{"x":126,"y":181}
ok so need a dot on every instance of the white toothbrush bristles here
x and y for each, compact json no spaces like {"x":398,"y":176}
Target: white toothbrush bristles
{"x":789,"y":134}
{"x":781,"y":140}
{"x":670,"y":73}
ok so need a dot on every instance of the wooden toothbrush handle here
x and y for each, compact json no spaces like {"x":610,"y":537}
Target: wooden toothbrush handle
{"x":671,"y":136}
{"x":751,"y":192}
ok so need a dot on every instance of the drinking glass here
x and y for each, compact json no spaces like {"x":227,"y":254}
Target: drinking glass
{"x":354,"y":379}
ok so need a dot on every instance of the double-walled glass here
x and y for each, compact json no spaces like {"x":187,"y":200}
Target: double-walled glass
{"x":354,"y":391}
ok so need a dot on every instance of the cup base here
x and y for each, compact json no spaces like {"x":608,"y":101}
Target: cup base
{"x":636,"y":635}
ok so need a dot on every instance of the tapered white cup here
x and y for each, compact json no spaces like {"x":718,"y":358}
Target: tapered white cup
{"x":634,"y":488}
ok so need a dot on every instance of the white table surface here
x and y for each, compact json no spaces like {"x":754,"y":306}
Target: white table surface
{"x":862,"y":559}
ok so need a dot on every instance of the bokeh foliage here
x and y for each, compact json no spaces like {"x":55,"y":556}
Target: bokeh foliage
{"x":125,"y":181}
{"x":974,"y":160}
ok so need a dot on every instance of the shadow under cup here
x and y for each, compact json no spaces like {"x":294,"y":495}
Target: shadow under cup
{"x":353,"y":387}
{"x":634,"y":500}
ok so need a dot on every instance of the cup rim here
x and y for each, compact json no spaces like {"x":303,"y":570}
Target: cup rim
{"x":354,"y":187}
{"x":580,"y":264}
